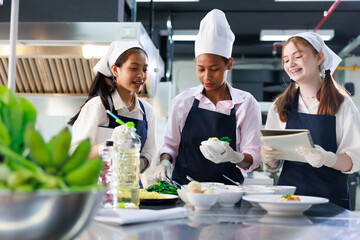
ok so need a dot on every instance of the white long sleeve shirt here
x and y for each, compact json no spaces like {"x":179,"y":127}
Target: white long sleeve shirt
{"x":347,"y":127}
{"x":93,"y":114}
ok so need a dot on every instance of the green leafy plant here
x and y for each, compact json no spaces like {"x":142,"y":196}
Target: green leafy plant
{"x":29,"y":163}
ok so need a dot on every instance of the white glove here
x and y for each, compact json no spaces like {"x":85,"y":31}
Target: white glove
{"x":118,"y":133}
{"x":162,"y":170}
{"x":317,"y":157}
{"x":227,"y":154}
{"x":270,"y":156}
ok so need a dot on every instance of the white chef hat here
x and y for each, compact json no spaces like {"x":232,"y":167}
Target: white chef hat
{"x":331,"y":60}
{"x":114,"y":51}
{"x":215,"y":35}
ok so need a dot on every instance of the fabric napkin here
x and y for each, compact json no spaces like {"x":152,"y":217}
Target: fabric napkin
{"x":128,"y":216}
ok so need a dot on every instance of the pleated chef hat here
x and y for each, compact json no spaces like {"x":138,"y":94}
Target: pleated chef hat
{"x":331,"y":60}
{"x":215,"y":35}
{"x":114,"y":51}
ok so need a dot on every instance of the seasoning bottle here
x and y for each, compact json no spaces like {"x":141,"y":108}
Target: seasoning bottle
{"x":108,"y":176}
{"x":128,"y":168}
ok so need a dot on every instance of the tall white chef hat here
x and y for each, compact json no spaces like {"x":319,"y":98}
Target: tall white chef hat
{"x":331,"y":60}
{"x":215,"y":35}
{"x":114,"y":51}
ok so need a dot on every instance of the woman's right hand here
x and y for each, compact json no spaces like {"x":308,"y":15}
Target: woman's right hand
{"x":270,"y":156}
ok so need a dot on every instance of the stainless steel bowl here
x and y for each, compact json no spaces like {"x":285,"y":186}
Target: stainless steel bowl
{"x":47,"y":215}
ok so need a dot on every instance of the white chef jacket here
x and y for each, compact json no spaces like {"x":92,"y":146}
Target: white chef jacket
{"x":93,"y":114}
{"x":248,"y":121}
{"x":347,"y":127}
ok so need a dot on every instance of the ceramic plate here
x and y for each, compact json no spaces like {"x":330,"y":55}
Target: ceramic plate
{"x":169,"y":198}
{"x":274,"y":207}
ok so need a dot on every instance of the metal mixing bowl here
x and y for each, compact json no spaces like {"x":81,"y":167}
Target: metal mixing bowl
{"x":47,"y":214}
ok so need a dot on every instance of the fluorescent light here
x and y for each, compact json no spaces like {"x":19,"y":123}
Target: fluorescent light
{"x":181,"y":35}
{"x":184,"y":37}
{"x":90,"y":51}
{"x":315,"y":0}
{"x":283,"y":35}
{"x":166,"y":0}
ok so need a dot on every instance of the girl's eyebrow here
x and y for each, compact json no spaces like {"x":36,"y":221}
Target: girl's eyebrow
{"x":293,"y":53}
{"x":138,"y":64}
{"x":214,"y":65}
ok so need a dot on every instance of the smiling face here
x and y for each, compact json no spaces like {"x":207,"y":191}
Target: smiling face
{"x":211,"y":70}
{"x":132,"y":73}
{"x":301,"y":61}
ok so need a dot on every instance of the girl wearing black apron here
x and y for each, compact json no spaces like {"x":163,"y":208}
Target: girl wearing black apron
{"x":120,"y":74}
{"x":191,"y":124}
{"x":325,"y":174}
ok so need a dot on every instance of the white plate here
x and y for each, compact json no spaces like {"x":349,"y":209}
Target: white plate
{"x":168,"y":198}
{"x":274,"y":207}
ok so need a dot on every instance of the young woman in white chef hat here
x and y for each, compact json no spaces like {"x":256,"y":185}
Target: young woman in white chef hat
{"x":319,"y":104}
{"x":120,"y":74}
{"x":213,"y":109}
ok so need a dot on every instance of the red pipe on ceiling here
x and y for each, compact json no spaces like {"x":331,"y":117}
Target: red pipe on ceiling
{"x":331,"y":9}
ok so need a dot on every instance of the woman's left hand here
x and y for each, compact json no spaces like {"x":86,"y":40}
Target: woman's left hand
{"x":317,"y":157}
{"x":227,"y":154}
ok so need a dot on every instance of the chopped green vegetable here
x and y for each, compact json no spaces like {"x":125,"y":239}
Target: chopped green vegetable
{"x":162,"y":187}
{"x":286,"y":195}
{"x":225,"y":139}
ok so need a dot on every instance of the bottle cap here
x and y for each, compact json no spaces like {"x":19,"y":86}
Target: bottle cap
{"x":109,"y":143}
{"x":130,"y":124}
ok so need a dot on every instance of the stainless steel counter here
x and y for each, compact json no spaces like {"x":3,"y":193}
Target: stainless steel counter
{"x":324,"y":221}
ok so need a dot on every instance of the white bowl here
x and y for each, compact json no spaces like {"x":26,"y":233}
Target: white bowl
{"x":183,"y":197}
{"x":212,"y":185}
{"x":202,"y":202}
{"x":259,"y":191}
{"x":215,"y":145}
{"x":282,"y":189}
{"x":228,"y":198}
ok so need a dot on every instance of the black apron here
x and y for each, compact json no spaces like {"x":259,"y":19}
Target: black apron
{"x":200,"y":125}
{"x":140,"y":125}
{"x":324,"y":181}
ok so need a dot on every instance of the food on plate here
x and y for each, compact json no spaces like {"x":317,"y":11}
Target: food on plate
{"x":194,"y":187}
{"x":143,"y":194}
{"x":162,"y":187}
{"x":224,"y":139}
{"x":289,"y":197}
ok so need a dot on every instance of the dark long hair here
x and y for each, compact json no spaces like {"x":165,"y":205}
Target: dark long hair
{"x":330,"y":94}
{"x":104,"y":86}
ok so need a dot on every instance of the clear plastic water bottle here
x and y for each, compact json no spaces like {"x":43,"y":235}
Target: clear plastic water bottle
{"x":128,"y":168}
{"x":108,"y":176}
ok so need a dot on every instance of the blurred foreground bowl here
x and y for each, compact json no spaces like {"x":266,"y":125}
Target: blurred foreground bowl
{"x":47,"y":214}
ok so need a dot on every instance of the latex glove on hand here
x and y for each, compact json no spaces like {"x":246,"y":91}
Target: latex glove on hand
{"x":118,"y":133}
{"x":270,"y":156}
{"x":162,"y":170}
{"x":227,"y":154}
{"x":317,"y":157}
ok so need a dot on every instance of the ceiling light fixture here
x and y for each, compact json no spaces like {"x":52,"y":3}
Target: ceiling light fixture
{"x":181,"y":35}
{"x":315,"y":0}
{"x":168,"y":0}
{"x":283,"y":35}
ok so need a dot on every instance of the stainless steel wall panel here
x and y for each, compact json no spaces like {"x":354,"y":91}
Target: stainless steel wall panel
{"x":65,"y":64}
{"x":74,"y":76}
{"x":3,"y":71}
{"x":81,"y":76}
{"x":35,"y":72}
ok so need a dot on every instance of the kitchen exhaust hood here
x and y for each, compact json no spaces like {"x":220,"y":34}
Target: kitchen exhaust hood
{"x":50,"y":55}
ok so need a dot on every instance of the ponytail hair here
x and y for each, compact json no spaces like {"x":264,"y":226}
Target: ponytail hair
{"x":330,"y":96}
{"x":101,"y":86}
{"x":104,"y":86}
{"x":284,"y":100}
